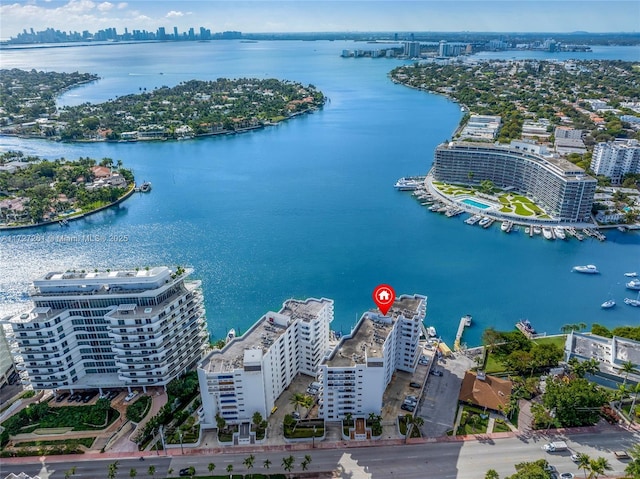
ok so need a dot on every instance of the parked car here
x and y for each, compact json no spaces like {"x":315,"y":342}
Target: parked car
{"x":566,"y":475}
{"x":436,"y":372}
{"x":295,"y":415}
{"x":407,"y":407}
{"x":130,"y":396}
{"x":415,"y":385}
{"x":575,"y":458}
{"x":185,"y":472}
{"x":411,"y":398}
{"x":62,"y":397}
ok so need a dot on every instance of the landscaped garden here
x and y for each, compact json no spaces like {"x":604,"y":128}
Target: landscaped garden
{"x":297,"y":429}
{"x":137,"y":410}
{"x":408,"y":420}
{"x":472,"y":421}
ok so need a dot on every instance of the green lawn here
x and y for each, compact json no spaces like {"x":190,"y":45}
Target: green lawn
{"x":557,"y":340}
{"x":500,"y":426}
{"x":521,"y":210}
{"x":494,"y":365}
{"x":85,"y":441}
{"x":480,"y":427}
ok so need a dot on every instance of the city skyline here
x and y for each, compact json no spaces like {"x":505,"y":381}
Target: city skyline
{"x":322,"y":16}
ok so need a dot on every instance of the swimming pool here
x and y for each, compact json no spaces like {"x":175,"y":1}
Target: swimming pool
{"x":477,"y":204}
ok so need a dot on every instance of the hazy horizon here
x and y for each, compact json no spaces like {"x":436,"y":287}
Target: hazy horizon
{"x":329,"y":16}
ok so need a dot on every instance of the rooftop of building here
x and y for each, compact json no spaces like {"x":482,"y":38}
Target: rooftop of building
{"x":262,"y":334}
{"x":104,"y":275}
{"x":485,"y":391}
{"x":366,"y":341}
{"x":611,"y":351}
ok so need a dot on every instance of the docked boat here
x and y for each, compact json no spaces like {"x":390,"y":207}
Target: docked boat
{"x":484,"y":221}
{"x":633,"y":274}
{"x":431,"y":331}
{"x":472,"y":220}
{"x":588,"y":269}
{"x":504,"y":226}
{"x":632,"y":302}
{"x":407,"y":184}
{"x":537,"y":230}
{"x":547,"y":233}
{"x":633,"y":284}
{"x":230,"y":335}
{"x":559,"y":232}
{"x":608,"y":304}
{"x":525,"y":327}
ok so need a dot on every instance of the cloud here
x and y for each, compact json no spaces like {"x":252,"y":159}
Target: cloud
{"x":122,"y":5}
{"x":105,"y":6}
{"x":79,"y":6}
{"x":174,"y":13}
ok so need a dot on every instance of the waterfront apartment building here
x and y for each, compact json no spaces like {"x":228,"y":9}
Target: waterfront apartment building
{"x":7,"y":367}
{"x":616,"y":159}
{"x":356,"y":374}
{"x":251,"y":371}
{"x":111,"y":329}
{"x":562,"y":189}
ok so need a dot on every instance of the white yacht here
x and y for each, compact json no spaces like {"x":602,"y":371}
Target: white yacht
{"x":633,"y":274}
{"x":230,"y":335}
{"x":559,"y":232}
{"x":537,"y":230}
{"x":610,"y":303}
{"x":588,"y":269}
{"x":484,"y":221}
{"x":633,"y":284}
{"x":504,"y":226}
{"x":632,"y":302}
{"x":407,"y":184}
{"x":547,"y":233}
{"x":431,"y":331}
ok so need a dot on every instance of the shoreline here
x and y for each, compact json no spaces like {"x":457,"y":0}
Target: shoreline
{"x":124,"y":197}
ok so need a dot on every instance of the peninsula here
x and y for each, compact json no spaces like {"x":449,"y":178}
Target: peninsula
{"x":35,"y":191}
{"x":187,"y":110}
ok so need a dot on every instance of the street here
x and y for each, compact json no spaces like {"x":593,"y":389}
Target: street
{"x":456,"y":459}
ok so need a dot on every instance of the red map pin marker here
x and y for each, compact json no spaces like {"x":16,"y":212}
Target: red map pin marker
{"x":384,"y":296}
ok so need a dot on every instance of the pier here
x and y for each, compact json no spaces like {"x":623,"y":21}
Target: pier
{"x":464,"y":322}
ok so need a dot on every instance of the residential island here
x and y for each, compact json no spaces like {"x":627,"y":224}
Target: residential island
{"x":36,"y":191}
{"x":187,"y":110}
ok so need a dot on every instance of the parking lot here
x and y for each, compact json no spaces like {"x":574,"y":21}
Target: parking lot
{"x":440,"y":398}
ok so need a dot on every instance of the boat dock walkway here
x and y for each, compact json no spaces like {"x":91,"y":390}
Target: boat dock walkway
{"x":464,"y":322}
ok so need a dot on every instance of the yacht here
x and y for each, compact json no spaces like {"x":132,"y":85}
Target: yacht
{"x":230,"y":335}
{"x":537,"y":230}
{"x":431,"y":331}
{"x":484,"y":221}
{"x":633,"y":284}
{"x":632,"y":302}
{"x":631,"y":275}
{"x":525,"y":326}
{"x":504,"y":226}
{"x":588,"y":269}
{"x":407,"y":184}
{"x":547,"y":233}
{"x":610,"y":303}
{"x":559,"y":232}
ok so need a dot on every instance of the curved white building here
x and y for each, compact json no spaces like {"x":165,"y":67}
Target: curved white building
{"x":562,"y":189}
{"x":111,"y":329}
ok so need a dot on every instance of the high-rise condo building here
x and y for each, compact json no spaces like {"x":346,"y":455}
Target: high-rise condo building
{"x":112,"y":329}
{"x":616,"y":159}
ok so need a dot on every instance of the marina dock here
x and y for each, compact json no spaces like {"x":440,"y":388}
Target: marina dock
{"x":464,"y":322}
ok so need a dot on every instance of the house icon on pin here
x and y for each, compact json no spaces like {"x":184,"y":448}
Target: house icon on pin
{"x":383,"y":295}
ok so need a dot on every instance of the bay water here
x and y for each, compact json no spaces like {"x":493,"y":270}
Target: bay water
{"x":306,"y":208}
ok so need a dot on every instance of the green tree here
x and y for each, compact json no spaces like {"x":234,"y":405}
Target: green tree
{"x":298,"y":399}
{"x":266,"y":464}
{"x":113,"y":470}
{"x":248,"y":462}
{"x":584,"y":463}
{"x":133,"y":473}
{"x":633,"y":468}
{"x":229,"y":469}
{"x":70,"y":473}
{"x":492,"y":474}
{"x":599,"y":466}
{"x":627,"y":368}
{"x":530,"y":470}
{"x":211,"y":467}
{"x":151,"y":471}
{"x":576,"y":403}
{"x":287,"y":463}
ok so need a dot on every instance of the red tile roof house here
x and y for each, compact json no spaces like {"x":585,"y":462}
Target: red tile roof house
{"x":485,"y":391}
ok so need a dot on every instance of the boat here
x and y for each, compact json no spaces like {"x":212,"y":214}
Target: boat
{"x":504,"y":226}
{"x":633,"y":274}
{"x":467,"y":319}
{"x":537,"y":230}
{"x":559,"y":232}
{"x":525,"y":327}
{"x":588,"y":269}
{"x":407,"y":184}
{"x":547,"y":233}
{"x":230,"y":335}
{"x":144,"y":187}
{"x":527,"y":230}
{"x":633,"y":284}
{"x":431,"y":331}
{"x":632,"y":302}
{"x":484,"y":221}
{"x":610,"y":303}
{"x":472,"y":220}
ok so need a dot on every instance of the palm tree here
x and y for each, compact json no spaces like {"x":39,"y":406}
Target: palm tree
{"x":584,"y":462}
{"x":491,"y":474}
{"x":627,"y":367}
{"x":211,"y":467}
{"x":151,"y":471}
{"x":266,"y":464}
{"x":133,"y":473}
{"x":418,"y":422}
{"x":304,"y":465}
{"x":307,"y":457}
{"x":113,"y":469}
{"x":298,"y":399}
{"x":248,"y":462}
{"x":287,"y":463}
{"x":636,"y":391}
{"x":599,"y":466}
{"x":229,"y":469}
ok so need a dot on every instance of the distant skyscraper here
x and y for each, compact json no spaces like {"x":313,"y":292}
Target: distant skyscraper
{"x":162,"y":35}
{"x":175,"y":33}
{"x":442,"y":49}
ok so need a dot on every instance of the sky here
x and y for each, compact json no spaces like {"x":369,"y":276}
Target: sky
{"x":323,"y":16}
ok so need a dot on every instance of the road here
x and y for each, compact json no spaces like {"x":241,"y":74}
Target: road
{"x":462,"y":460}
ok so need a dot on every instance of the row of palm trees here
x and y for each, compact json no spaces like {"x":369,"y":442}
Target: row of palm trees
{"x":288,"y":463}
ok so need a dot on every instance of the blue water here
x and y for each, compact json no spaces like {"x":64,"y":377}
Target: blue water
{"x":477,"y":204}
{"x":306,"y":208}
